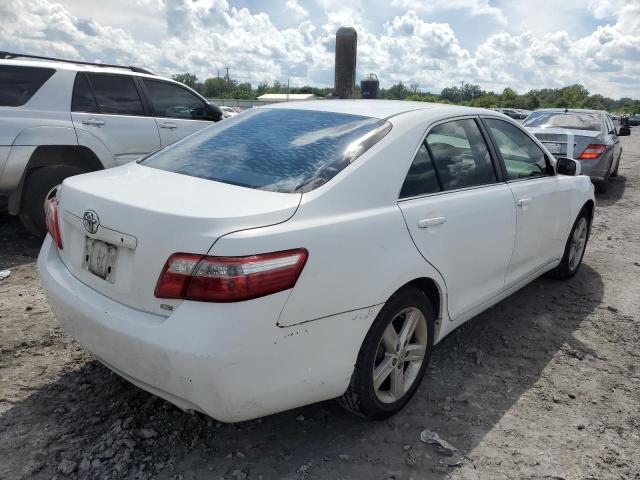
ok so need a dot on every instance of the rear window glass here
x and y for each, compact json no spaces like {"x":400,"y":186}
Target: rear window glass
{"x":572,"y":121}
{"x":19,"y":84}
{"x":280,"y":150}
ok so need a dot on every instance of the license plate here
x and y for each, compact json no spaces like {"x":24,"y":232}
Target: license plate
{"x":100,"y":258}
{"x":554,"y":147}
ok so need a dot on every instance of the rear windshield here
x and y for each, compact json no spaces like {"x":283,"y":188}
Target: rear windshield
{"x":280,"y":150}
{"x":18,"y":84}
{"x":573,"y":121}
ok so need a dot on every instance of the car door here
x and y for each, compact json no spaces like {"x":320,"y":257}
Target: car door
{"x":178,"y":112}
{"x":108,"y":108}
{"x":542,"y":199}
{"x":460,"y":215}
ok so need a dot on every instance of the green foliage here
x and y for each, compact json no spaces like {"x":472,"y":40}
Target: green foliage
{"x":572,"y":96}
{"x":189,"y":79}
{"x":467,"y":93}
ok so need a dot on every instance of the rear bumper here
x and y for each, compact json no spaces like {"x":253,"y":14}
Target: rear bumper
{"x":229,"y":361}
{"x":597,"y":169}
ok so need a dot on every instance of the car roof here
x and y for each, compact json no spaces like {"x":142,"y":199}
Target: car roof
{"x":78,"y":67}
{"x":376,"y":108}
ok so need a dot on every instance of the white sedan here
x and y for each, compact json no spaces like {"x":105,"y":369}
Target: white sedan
{"x":307,"y":251}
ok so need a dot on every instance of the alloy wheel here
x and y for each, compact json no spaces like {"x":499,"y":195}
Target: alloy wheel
{"x":578,"y":242}
{"x":400,"y":354}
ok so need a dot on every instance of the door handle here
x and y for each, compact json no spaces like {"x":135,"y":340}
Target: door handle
{"x":430,"y":222}
{"x":93,"y":121}
{"x":169,"y":125}
{"x":523,"y":201}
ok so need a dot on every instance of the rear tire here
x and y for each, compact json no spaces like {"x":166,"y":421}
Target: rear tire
{"x":393,"y":357}
{"x":36,"y":187}
{"x":575,"y":247}
{"x":601,"y":187}
{"x":615,"y":172}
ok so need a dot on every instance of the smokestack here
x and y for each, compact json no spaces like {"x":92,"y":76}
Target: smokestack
{"x":346,"y":50}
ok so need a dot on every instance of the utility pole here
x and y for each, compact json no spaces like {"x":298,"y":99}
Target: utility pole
{"x":287,"y":89}
{"x":228,"y":81}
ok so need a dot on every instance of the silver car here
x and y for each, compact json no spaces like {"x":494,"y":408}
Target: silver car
{"x":593,"y":135}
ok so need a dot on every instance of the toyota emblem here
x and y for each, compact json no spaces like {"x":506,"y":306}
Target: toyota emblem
{"x":91,"y":221}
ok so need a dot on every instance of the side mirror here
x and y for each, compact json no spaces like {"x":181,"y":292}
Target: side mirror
{"x":624,"y":132}
{"x":568,"y":166}
{"x":213,"y":112}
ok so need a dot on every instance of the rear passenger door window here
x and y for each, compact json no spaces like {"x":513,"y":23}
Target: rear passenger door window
{"x":460,"y":155}
{"x":116,"y":94}
{"x":83,"y":99}
{"x":522,"y":157}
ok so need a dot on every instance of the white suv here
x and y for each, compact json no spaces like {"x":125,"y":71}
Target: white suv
{"x":61,"y":118}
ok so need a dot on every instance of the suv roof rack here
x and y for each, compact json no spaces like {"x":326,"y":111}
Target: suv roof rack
{"x":8,"y":55}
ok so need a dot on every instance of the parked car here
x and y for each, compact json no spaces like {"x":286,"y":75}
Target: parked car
{"x":228,"y":112}
{"x":513,"y":113}
{"x":592,"y":133}
{"x":61,"y":118}
{"x":634,"y":120}
{"x":301,"y":252}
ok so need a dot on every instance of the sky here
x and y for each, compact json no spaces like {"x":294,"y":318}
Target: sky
{"x":435,"y":43}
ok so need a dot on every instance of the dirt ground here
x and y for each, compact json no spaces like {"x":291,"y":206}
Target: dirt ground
{"x":545,"y":385}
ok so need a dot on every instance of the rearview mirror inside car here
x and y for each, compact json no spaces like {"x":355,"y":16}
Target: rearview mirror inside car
{"x":568,"y":166}
{"x":624,"y":132}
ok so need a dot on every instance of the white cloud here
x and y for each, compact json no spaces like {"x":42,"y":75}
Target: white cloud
{"x":205,"y":36}
{"x":474,"y":7}
{"x":298,"y":10}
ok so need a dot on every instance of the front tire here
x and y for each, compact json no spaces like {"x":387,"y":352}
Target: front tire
{"x":36,"y":187}
{"x":575,"y":247}
{"x":393,"y":357}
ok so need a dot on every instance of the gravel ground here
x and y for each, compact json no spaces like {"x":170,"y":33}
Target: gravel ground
{"x":544,"y":385}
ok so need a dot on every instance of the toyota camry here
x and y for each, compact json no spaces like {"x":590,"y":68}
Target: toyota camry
{"x":307,"y":251}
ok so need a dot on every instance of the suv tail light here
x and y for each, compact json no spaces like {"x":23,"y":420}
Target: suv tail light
{"x":51,"y":218}
{"x":229,"y":279}
{"x":593,"y":150}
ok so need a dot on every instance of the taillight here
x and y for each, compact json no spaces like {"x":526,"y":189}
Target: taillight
{"x":593,"y":150}
{"x":52,"y":219}
{"x":229,"y":279}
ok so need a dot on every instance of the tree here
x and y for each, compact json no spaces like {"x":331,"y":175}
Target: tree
{"x":399,"y":91}
{"x":453,"y":94}
{"x":469,"y":92}
{"x":262,"y":88}
{"x":188,"y":79}
{"x":215,"y":87}
{"x":508,"y":98}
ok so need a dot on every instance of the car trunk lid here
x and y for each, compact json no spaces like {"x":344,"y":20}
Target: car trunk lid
{"x":132,"y":218}
{"x":557,"y":139}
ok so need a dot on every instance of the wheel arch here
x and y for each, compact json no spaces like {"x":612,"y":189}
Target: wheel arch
{"x":589,"y":206}
{"x":70,"y":155}
{"x":435,"y":293}
{"x":50,"y":155}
